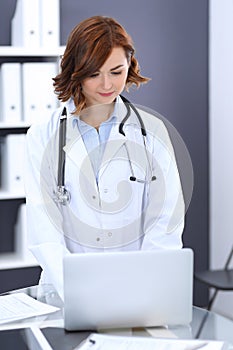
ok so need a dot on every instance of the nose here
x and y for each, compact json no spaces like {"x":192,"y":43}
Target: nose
{"x":106,"y":82}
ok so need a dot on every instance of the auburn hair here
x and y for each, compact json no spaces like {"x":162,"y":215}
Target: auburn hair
{"x":88,"y":46}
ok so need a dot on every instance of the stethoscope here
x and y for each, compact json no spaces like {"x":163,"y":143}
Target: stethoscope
{"x":62,"y":195}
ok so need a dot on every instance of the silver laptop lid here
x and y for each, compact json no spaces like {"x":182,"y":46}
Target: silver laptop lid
{"x":128,"y":289}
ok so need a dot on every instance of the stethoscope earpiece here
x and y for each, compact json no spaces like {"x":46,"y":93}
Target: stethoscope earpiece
{"x":133,"y":178}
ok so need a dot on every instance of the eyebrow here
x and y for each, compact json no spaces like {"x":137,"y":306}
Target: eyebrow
{"x":119,"y":66}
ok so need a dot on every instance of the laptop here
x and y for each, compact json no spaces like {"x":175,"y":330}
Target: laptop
{"x":128,"y":289}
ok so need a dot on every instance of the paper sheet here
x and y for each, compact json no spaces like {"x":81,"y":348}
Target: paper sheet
{"x":106,"y":342}
{"x":20,"y":305}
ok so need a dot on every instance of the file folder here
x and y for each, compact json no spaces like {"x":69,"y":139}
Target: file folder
{"x":25,"y":24}
{"x":10,"y":97}
{"x":39,"y":99}
{"x":21,"y":237}
{"x":13,"y":163}
{"x":49,"y":23}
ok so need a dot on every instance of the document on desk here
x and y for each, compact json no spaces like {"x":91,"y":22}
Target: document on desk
{"x":17,"y":306}
{"x":106,"y":342}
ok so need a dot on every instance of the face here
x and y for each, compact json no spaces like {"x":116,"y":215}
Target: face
{"x":105,"y":85}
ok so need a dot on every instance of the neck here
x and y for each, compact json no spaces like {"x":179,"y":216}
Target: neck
{"x":96,"y":114}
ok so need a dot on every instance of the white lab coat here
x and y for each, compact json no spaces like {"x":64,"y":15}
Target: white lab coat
{"x":117,"y":214}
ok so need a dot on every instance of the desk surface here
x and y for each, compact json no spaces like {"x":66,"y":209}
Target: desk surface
{"x":205,"y":325}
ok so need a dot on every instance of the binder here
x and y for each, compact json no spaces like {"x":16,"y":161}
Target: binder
{"x":25,"y":24}
{"x":39,"y":99}
{"x":21,"y":237}
{"x":36,"y":23}
{"x":11,"y":96}
{"x":13,"y":163}
{"x":49,"y":23}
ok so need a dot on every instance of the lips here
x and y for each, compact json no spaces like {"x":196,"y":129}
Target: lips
{"x":106,"y":94}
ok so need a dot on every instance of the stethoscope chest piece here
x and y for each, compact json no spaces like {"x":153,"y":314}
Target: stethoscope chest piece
{"x":62,"y":195}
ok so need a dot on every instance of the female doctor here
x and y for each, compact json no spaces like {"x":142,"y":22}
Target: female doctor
{"x":101,"y":173}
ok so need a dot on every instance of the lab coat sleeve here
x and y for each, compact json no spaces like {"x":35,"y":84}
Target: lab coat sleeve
{"x":164,"y":214}
{"x":46,"y":240}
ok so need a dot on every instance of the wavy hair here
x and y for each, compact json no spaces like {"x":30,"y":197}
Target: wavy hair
{"x":88,"y":46}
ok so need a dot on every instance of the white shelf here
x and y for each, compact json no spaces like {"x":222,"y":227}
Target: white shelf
{"x":20,"y":259}
{"x":12,"y":51}
{"x":9,"y":195}
{"x":14,"y":261}
{"x":4,"y":125}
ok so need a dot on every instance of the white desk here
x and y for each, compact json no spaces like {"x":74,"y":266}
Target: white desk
{"x":205,"y":325}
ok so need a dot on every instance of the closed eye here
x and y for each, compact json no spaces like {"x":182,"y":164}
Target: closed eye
{"x":116,"y":73}
{"x":94,"y":75}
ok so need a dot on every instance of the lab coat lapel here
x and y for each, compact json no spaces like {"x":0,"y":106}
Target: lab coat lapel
{"x":117,"y":140}
{"x":76,"y":151}
{"x":114,"y":143}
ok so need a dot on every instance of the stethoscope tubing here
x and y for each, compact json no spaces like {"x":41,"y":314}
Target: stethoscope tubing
{"x":62,"y":196}
{"x":61,"y":153}
{"x":128,"y":104}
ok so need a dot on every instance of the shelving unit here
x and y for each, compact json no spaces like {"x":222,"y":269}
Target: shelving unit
{"x":11,"y":51}
{"x":10,"y":202}
{"x":4,"y":195}
{"x":15,"y":126}
{"x":14,"y":261}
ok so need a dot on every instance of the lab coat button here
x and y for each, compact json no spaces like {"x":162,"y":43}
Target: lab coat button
{"x":98,"y":239}
{"x":94,"y":197}
{"x":109,"y":234}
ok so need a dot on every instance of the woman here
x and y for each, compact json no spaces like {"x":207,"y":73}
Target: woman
{"x":123,"y":182}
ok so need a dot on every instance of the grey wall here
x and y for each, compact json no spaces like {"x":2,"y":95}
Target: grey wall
{"x":171,"y":40}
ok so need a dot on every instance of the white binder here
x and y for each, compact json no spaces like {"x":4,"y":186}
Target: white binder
{"x":12,"y":166}
{"x":10,"y":93}
{"x":21,"y":237}
{"x":39,"y":99}
{"x":49,"y":23}
{"x":25,"y":24}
